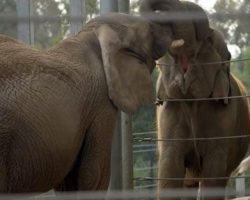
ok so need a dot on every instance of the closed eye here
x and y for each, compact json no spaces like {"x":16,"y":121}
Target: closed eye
{"x":135,"y":54}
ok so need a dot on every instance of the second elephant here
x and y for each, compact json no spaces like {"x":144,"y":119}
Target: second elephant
{"x":201,"y":161}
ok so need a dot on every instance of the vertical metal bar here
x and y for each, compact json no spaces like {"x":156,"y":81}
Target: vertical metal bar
{"x":32,"y":27}
{"x":124,"y":6}
{"x":116,"y":156}
{"x":116,"y":163}
{"x":152,"y":166}
{"x":240,"y":186}
{"x":127,"y":151}
{"x":24,"y":25}
{"x":77,"y":15}
{"x":127,"y":136}
{"x":109,"y":6}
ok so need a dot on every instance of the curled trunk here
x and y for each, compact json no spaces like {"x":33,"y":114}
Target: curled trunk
{"x":187,"y":20}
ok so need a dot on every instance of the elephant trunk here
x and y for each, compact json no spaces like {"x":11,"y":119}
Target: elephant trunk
{"x":162,"y":40}
{"x":187,"y":20}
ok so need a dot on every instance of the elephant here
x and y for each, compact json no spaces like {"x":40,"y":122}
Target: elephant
{"x":59,"y":106}
{"x":184,"y":116}
{"x":184,"y":76}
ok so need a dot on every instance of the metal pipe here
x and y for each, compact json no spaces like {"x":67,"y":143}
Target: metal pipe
{"x":127,"y":152}
{"x":116,"y":163}
{"x":25,"y":28}
{"x":77,"y":15}
{"x":108,"y":6}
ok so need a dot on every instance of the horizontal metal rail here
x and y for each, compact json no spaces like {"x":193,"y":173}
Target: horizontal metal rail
{"x":144,"y":151}
{"x":208,"y":63}
{"x":144,"y":169}
{"x":144,"y":145}
{"x":205,"y":99}
{"x":190,"y":139}
{"x":128,"y":195}
{"x":145,"y":133}
{"x":146,"y":186}
{"x":189,"y":179}
{"x":166,"y":16}
{"x":170,"y":16}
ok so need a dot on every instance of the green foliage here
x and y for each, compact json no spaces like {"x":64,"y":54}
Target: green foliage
{"x":134,"y":6}
{"x":144,"y":119}
{"x":242,"y":69}
{"x":233,"y":21}
{"x":48,"y":32}
{"x":92,"y":8}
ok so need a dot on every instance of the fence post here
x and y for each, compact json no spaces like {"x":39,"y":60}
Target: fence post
{"x":127,"y":152}
{"x":127,"y":136}
{"x":109,"y":6}
{"x":116,"y":161}
{"x":25,"y":27}
{"x":77,"y":15}
{"x":240,"y":186}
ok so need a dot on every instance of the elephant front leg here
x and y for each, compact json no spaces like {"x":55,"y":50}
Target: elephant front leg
{"x":191,"y":183}
{"x":91,"y":170}
{"x":171,"y":171}
{"x":215,"y":176}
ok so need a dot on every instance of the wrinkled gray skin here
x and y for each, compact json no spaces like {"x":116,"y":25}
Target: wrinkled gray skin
{"x":58,"y":107}
{"x":205,"y":119}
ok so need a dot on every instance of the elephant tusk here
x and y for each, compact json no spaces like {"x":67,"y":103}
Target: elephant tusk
{"x":177,"y":43}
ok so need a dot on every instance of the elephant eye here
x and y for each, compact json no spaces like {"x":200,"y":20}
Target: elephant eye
{"x":138,"y":56}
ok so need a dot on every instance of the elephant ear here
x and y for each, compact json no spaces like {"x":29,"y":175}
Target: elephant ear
{"x":222,"y":86}
{"x":128,"y":78}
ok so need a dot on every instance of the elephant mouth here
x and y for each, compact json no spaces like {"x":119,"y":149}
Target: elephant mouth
{"x":185,"y":62}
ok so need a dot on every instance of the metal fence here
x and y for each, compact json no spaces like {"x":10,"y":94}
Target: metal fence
{"x":122,"y":146}
{"x":145,"y":145}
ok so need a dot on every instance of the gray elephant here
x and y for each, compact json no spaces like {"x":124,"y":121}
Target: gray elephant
{"x":200,"y":161}
{"x":185,"y":77}
{"x":59,"y":107}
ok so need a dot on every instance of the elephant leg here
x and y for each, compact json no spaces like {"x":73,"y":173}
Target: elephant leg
{"x":191,"y":185}
{"x":214,"y":165}
{"x":92,"y":168}
{"x":171,"y":166}
{"x":3,"y":175}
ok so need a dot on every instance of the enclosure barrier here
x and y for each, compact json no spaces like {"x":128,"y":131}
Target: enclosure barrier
{"x":124,"y":139}
{"x":239,"y":180}
{"x":125,"y":195}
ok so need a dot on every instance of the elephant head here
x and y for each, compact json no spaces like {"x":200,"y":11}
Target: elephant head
{"x":197,"y":79}
{"x":187,"y":20}
{"x":129,"y":48}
